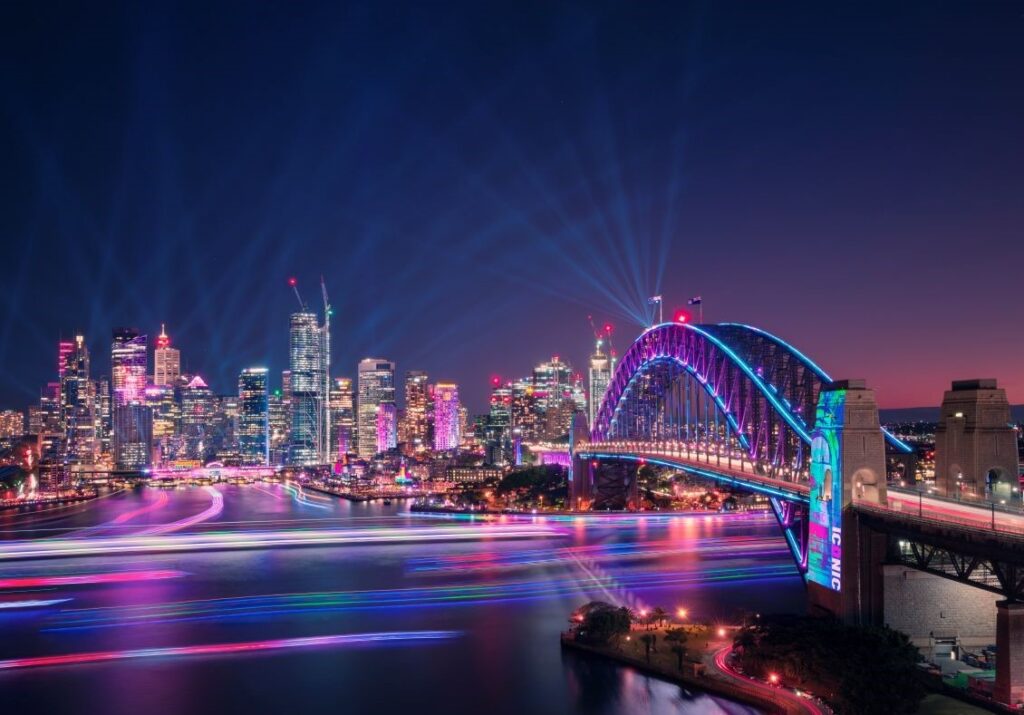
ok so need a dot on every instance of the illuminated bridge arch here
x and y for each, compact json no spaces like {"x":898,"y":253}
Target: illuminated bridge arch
{"x":730,"y":390}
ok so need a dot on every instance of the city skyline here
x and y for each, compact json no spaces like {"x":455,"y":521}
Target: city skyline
{"x":509,"y":200}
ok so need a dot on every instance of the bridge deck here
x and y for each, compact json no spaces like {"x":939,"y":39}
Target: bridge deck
{"x":719,"y":467}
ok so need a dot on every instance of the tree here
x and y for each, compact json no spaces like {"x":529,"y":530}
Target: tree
{"x":601,"y":623}
{"x":864,"y":670}
{"x":680,"y":651}
{"x":648,"y":640}
{"x":659,"y":615}
{"x":676,"y":635}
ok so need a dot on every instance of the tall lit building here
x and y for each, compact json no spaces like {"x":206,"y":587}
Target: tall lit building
{"x":552,"y":381}
{"x":376,"y":386}
{"x":307,"y":380}
{"x":387,"y":426}
{"x":133,"y":435}
{"x":166,"y":413}
{"x":253,"y":423}
{"x":343,"y":417}
{"x":64,"y":350}
{"x":49,"y":432}
{"x":104,"y":416}
{"x":198,"y":407}
{"x":447,"y":429}
{"x":77,"y":405}
{"x":12,"y":424}
{"x":277,"y":426}
{"x":417,"y":396}
{"x":128,"y":366}
{"x":601,"y":366}
{"x":528,"y":409}
{"x":166,"y":360}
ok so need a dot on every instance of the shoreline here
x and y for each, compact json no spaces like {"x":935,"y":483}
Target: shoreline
{"x":706,"y":682}
{"x":565,"y":512}
{"x":17,"y":506}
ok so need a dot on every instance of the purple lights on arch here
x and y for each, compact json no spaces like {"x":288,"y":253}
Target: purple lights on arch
{"x":727,"y":385}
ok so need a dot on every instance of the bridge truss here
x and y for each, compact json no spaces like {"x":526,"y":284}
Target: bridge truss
{"x":727,"y":401}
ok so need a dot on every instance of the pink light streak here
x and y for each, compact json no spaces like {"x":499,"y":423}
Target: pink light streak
{"x":90,"y":578}
{"x":212,"y":511}
{"x":159,"y":503}
{"x":224,"y":648}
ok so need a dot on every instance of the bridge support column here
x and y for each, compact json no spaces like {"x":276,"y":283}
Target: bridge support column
{"x":844,"y":559}
{"x":581,"y":484}
{"x":1009,"y":685}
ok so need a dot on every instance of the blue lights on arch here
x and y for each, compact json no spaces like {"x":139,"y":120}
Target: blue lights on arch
{"x":892,"y":439}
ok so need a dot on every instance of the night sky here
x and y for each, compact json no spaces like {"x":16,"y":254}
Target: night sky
{"x":474,"y":179}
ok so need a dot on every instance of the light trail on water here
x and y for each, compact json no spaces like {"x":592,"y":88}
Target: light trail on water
{"x":29,"y":549}
{"x":37,"y":603}
{"x":90,"y":579}
{"x":271,"y":606}
{"x":211,"y":512}
{"x":227,"y":648}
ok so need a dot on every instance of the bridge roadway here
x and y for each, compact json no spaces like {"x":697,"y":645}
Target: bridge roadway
{"x":904,"y":505}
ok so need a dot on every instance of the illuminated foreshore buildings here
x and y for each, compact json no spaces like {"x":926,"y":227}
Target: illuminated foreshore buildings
{"x":166,"y":361}
{"x":376,"y":386}
{"x":447,"y":427}
{"x":306,"y":356}
{"x":150,"y":413}
{"x":253,"y":422}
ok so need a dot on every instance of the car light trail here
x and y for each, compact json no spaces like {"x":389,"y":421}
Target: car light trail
{"x":6,"y":605}
{"x":90,"y":578}
{"x":137,"y":544}
{"x":225,"y":648}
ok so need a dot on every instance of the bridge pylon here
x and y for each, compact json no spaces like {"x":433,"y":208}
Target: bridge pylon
{"x":844,"y":575}
{"x":581,"y":473}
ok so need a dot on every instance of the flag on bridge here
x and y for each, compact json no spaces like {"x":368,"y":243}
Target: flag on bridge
{"x":695,"y":300}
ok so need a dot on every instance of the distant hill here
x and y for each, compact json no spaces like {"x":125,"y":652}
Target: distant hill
{"x":931,"y":414}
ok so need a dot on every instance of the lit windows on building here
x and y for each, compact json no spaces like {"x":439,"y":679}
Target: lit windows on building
{"x":376,"y":385}
{"x":253,"y":422}
{"x":447,"y":432}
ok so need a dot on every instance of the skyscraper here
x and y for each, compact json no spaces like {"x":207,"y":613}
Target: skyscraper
{"x":387,"y":426}
{"x":166,"y":414}
{"x":253,"y":424}
{"x":277,"y":424}
{"x":416,"y":416}
{"x":376,"y":386}
{"x":600,"y":375}
{"x":77,"y":405}
{"x":166,"y":360}
{"x":128,"y":366}
{"x":446,"y":416}
{"x":343,"y":418}
{"x":306,"y":363}
{"x":12,"y":424}
{"x":133,"y":435}
{"x":198,"y":405}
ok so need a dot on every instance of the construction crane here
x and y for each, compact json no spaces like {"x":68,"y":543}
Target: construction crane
{"x":325,"y":432}
{"x":294,"y":283}
{"x":603,"y":335}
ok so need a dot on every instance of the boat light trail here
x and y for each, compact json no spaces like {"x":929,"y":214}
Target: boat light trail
{"x":4,"y":605}
{"x":225,"y":648}
{"x":211,"y":512}
{"x":90,"y":578}
{"x":138,"y":544}
{"x":275,"y":605}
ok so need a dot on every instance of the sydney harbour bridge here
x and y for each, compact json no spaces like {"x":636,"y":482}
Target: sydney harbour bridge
{"x":737,"y":405}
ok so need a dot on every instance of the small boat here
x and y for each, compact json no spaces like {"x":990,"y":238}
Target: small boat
{"x":387,"y":502}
